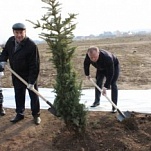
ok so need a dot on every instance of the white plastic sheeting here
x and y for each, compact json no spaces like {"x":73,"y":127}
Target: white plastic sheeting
{"x":128,"y":100}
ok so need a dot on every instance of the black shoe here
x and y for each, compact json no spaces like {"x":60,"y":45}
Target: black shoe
{"x":114,"y":111}
{"x":17,"y":118}
{"x":37,"y":120}
{"x":2,"y":112}
{"x":95,"y":104}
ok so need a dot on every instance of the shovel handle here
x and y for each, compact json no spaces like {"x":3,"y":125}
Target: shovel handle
{"x":107,"y":97}
{"x":21,"y":79}
{"x":101,"y":92}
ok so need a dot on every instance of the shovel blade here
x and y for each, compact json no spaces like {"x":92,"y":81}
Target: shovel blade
{"x":53,"y":111}
{"x":126,"y":114}
{"x":120,"y":117}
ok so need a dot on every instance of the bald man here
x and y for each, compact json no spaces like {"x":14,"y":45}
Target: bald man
{"x":107,"y":66}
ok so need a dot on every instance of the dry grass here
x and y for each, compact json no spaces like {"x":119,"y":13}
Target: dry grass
{"x":134,"y":54}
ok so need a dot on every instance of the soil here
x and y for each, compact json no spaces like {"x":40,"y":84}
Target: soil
{"x":103,"y":132}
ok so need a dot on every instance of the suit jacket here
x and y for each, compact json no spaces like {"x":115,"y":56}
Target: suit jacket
{"x":24,"y":61}
{"x":105,"y":64}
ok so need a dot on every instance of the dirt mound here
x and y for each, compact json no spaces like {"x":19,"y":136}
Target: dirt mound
{"x":104,"y":132}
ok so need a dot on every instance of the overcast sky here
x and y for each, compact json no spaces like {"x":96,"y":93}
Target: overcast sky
{"x":95,"y":16}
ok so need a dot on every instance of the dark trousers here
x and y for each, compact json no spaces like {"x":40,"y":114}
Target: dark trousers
{"x":1,"y":97}
{"x":20,"y":94}
{"x":114,"y":90}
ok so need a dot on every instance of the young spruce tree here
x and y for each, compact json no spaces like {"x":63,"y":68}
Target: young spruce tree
{"x":58,"y":34}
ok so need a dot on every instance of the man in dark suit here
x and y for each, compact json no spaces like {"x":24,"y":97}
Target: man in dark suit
{"x":107,"y":66}
{"x":23,"y":57}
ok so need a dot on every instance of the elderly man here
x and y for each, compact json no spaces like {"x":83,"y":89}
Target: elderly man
{"x":23,"y":57}
{"x":107,"y":66}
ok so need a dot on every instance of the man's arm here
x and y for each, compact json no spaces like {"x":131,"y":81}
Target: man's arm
{"x":87,"y":65}
{"x":34,"y":63}
{"x":110,"y":73}
{"x":4,"y":53}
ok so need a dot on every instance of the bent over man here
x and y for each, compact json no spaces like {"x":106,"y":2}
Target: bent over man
{"x":107,"y":66}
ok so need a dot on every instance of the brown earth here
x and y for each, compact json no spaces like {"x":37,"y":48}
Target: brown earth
{"x":104,"y":131}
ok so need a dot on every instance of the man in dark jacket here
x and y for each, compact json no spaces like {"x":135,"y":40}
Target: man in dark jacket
{"x":23,"y":57}
{"x":107,"y":66}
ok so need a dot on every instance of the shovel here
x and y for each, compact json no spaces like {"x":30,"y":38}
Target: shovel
{"x":52,"y":109}
{"x":122,"y":115}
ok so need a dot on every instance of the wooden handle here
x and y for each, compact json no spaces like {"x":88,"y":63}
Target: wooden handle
{"x":101,"y":91}
{"x":21,"y":79}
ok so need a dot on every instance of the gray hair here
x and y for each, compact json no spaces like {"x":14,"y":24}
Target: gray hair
{"x":92,"y":49}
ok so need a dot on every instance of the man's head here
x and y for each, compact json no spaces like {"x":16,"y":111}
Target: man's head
{"x":19,"y":31}
{"x":93,"y":53}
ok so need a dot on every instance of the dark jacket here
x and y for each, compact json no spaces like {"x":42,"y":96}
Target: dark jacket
{"x":105,"y":65}
{"x":24,"y":61}
{"x":1,"y":68}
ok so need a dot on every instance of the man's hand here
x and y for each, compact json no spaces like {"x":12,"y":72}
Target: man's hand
{"x":1,"y":68}
{"x":2,"y":64}
{"x":88,"y":77}
{"x":30,"y":86}
{"x":104,"y":91}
